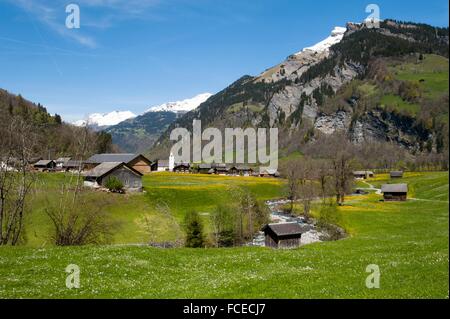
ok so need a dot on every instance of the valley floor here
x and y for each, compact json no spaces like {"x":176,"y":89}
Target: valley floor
{"x":408,"y":241}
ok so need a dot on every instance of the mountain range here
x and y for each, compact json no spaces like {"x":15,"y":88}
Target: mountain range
{"x":138,"y":133}
{"x":385,"y":85}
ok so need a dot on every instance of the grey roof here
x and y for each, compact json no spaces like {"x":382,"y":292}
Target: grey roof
{"x":182,"y":164}
{"x":287,"y":229}
{"x":43,"y":162}
{"x":268,"y":171}
{"x":243,"y":168}
{"x":73,"y":163}
{"x":111,"y":158}
{"x":204,"y":166}
{"x":163,"y":163}
{"x":363,"y":173}
{"x":394,"y":188}
{"x":63,"y":160}
{"x":396,"y":173}
{"x":105,"y":168}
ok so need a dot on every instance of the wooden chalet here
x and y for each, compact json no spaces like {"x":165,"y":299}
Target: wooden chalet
{"x":286,"y":235}
{"x":395,"y":192}
{"x":130,"y":177}
{"x":45,"y":165}
{"x":204,"y":168}
{"x":268,"y":172}
{"x":72,"y":165}
{"x":182,"y":168}
{"x":240,"y":171}
{"x":137,"y":161}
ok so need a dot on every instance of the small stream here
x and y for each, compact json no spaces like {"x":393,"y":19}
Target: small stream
{"x":277,"y":216}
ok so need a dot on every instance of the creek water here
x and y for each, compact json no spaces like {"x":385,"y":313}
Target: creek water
{"x":278,"y":216}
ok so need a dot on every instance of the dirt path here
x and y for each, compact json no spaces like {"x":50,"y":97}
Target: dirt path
{"x":371,"y":188}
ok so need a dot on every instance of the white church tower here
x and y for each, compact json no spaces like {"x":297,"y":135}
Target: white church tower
{"x":171,"y":162}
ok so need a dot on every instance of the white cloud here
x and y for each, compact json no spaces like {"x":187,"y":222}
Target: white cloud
{"x":53,"y":18}
{"x":51,"y":13}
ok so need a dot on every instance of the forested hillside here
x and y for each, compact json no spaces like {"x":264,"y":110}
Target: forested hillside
{"x":51,"y":136}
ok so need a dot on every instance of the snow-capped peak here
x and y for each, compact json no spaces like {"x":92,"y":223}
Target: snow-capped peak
{"x":106,"y":119}
{"x":181,"y":106}
{"x":336,"y":36}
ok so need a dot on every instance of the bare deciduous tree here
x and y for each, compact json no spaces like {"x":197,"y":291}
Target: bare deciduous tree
{"x":16,"y":150}
{"x":76,"y":218}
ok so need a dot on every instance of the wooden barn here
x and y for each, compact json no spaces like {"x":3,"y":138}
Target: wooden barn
{"x":219,"y":170}
{"x":240,"y":171}
{"x":137,"y":161}
{"x":396,"y":174}
{"x":268,"y":172}
{"x":182,"y":168}
{"x":287,"y":235}
{"x":98,"y":176}
{"x":204,"y":168}
{"x":72,"y":165}
{"x":60,"y":162}
{"x":45,"y":165}
{"x":395,"y":192}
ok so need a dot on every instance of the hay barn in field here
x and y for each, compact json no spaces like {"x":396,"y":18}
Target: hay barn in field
{"x":137,"y":161}
{"x":130,"y":178}
{"x":396,"y":174}
{"x":395,"y":192}
{"x":287,"y":235}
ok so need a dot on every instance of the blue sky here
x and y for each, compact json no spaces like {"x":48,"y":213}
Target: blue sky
{"x":132,"y":54}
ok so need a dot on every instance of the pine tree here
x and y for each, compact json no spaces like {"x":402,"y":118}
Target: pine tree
{"x":194,"y":230}
{"x":58,"y":119}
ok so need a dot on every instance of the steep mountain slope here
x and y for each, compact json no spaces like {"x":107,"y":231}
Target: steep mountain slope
{"x":311,"y":93}
{"x":140,"y":133}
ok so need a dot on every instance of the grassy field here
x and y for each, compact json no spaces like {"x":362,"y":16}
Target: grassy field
{"x":431,"y":74}
{"x":408,"y":241}
{"x":180,"y":193}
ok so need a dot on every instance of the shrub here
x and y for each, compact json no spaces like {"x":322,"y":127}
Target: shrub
{"x":81,"y":222}
{"x":114,"y":184}
{"x":194,"y":230}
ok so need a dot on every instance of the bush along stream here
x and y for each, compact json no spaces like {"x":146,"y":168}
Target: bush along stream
{"x":315,"y":231}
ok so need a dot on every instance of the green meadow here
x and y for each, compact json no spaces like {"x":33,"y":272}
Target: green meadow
{"x":431,"y":74}
{"x":408,"y":241}
{"x":166,"y":199}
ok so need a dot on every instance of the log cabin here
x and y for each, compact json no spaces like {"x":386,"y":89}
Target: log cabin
{"x":286,"y":235}
{"x":45,"y":165}
{"x":395,"y":192}
{"x":137,"y":161}
{"x":98,"y":176}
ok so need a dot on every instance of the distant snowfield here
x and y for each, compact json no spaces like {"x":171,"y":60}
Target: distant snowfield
{"x":336,"y":36}
{"x":106,"y":119}
{"x":116,"y":117}
{"x":181,"y":106}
